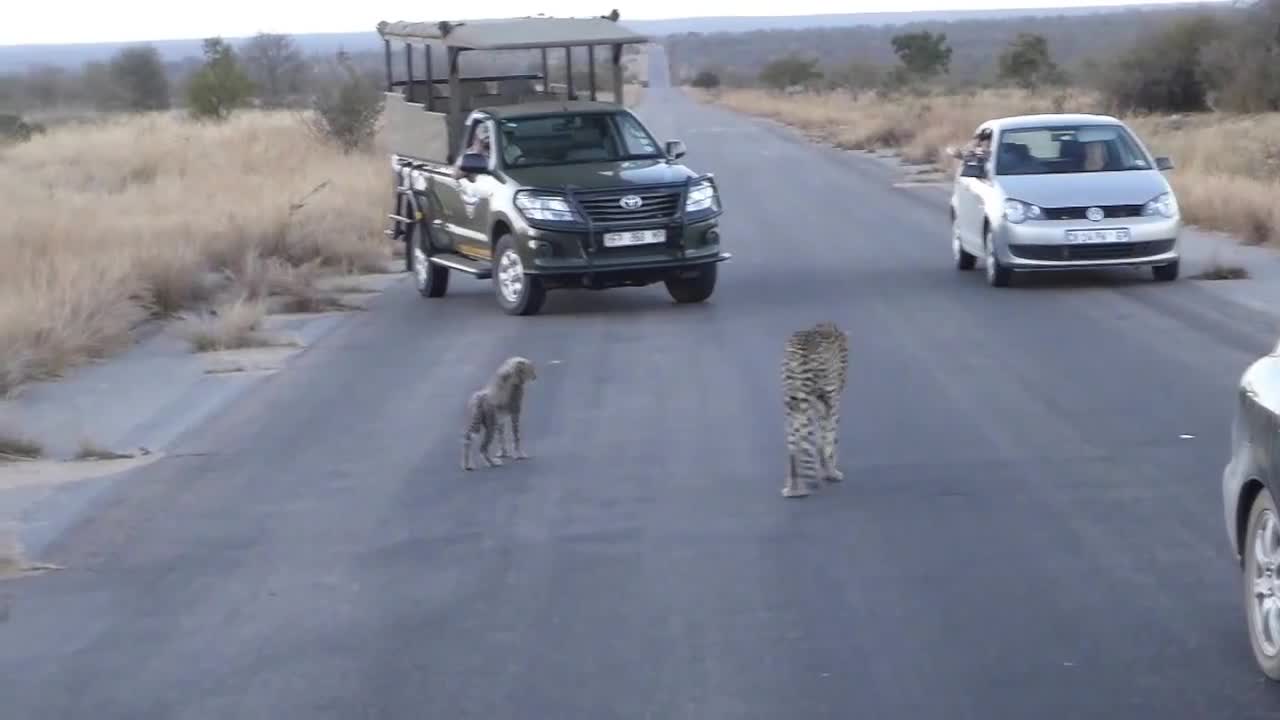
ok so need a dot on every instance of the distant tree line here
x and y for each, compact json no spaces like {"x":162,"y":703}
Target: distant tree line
{"x":343,"y":93}
{"x":268,"y":69}
{"x":1227,"y":59}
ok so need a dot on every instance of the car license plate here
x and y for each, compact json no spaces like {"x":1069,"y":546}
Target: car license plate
{"x":635,"y":237}
{"x":1109,"y":235}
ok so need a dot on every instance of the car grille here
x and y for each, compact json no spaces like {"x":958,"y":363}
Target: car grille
{"x":1101,"y":251}
{"x":605,"y":208}
{"x":1077,"y":213}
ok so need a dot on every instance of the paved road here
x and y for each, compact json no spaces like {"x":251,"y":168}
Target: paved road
{"x":1023,"y":533}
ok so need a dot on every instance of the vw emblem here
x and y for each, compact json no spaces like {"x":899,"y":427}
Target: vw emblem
{"x":631,"y":202}
{"x":1095,"y":214}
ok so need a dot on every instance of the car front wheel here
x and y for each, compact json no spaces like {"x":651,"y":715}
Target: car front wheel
{"x":518,"y":293}
{"x":1262,"y":583}
{"x":964,"y":261}
{"x":997,"y":275}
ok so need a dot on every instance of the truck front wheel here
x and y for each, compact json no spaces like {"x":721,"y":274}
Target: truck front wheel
{"x":695,"y":289}
{"x":518,"y":293}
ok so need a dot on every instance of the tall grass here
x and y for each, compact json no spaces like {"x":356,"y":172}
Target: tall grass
{"x":1227,"y":167}
{"x":109,"y":222}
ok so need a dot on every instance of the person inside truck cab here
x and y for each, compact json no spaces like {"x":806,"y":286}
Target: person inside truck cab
{"x":480,"y":141}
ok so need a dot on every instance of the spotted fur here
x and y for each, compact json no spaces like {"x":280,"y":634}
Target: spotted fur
{"x":814,"y":369}
{"x":502,"y":398}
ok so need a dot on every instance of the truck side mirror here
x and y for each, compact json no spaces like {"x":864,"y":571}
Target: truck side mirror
{"x":675,"y":149}
{"x":473,"y":164}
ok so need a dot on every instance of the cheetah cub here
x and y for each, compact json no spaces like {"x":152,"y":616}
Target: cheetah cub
{"x":501,"y":398}
{"x":814,"y":368}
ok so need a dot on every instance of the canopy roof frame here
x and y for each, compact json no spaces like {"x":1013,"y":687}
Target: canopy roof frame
{"x":527,"y":33}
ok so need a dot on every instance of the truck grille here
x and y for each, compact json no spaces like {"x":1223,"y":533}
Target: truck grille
{"x":1077,"y":213}
{"x":656,"y":205}
{"x":1101,"y":251}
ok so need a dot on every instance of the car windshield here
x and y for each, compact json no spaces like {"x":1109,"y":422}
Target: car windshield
{"x":1068,"y":149}
{"x":575,"y":138}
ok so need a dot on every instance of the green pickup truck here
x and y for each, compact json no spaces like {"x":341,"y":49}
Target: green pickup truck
{"x":534,"y":189}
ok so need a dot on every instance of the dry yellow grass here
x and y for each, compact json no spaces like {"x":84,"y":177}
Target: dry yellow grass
{"x":1227,"y":168}
{"x":233,"y":325}
{"x":109,"y":222}
{"x":14,"y":445}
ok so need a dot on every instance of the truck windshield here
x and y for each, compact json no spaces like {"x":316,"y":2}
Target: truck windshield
{"x":575,"y":138}
{"x":1068,"y":149}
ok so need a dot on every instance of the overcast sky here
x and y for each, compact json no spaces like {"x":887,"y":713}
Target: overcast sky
{"x":70,"y":21}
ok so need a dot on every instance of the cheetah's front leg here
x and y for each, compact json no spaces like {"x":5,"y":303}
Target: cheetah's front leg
{"x":515,"y":434}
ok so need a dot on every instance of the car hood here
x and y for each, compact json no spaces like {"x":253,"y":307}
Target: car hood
{"x":602,"y":176}
{"x":1127,"y":187}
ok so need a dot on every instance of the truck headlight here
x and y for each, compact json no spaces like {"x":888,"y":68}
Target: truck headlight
{"x":548,"y":208}
{"x":701,"y":197}
{"x":1164,"y":204}
{"x":1016,"y":211}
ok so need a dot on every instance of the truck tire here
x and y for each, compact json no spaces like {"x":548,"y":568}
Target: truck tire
{"x":518,"y":293}
{"x":403,"y":210}
{"x":432,"y":280}
{"x":694,"y":289}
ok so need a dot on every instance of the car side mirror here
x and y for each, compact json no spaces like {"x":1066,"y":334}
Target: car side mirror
{"x":1163,"y":163}
{"x":473,"y":164}
{"x":675,"y":149}
{"x":973,"y":170}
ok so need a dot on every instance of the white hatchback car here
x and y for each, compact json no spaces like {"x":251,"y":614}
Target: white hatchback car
{"x":1062,"y":191}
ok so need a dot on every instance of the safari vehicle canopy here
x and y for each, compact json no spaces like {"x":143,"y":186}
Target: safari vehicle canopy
{"x":425,"y":115}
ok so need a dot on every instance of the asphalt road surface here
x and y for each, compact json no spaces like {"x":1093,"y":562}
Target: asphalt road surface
{"x":1023,"y":532}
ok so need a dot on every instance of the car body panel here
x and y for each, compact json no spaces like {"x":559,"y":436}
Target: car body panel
{"x":977,"y":205}
{"x":1255,"y":443}
{"x":1128,"y":187}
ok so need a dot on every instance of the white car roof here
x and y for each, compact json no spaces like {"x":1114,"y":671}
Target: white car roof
{"x":1043,"y":119}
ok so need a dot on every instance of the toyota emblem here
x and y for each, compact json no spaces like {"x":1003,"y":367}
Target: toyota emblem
{"x":631,"y":202}
{"x":1095,"y":214}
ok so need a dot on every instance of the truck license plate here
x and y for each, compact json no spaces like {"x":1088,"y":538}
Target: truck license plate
{"x":1110,"y":235}
{"x":635,"y":237}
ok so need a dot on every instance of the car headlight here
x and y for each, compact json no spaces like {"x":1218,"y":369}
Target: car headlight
{"x":701,"y":197}
{"x":1016,"y":211}
{"x":1165,"y":205}
{"x":549,"y":208}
